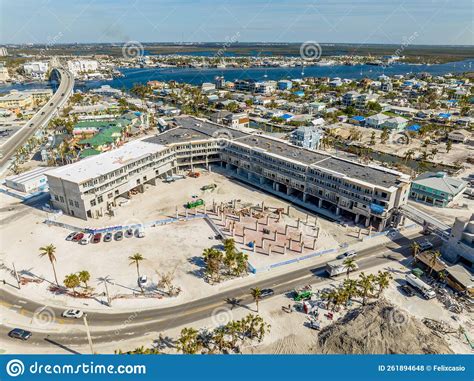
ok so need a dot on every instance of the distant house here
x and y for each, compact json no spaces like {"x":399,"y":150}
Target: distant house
{"x":437,"y":189}
{"x":219,"y":116}
{"x":237,"y":120}
{"x":284,"y":84}
{"x":357,"y":120}
{"x":397,"y":123}
{"x":376,"y":121}
{"x":307,"y":137}
{"x":459,"y":136}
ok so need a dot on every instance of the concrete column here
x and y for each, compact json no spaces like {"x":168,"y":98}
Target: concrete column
{"x":186,"y":212}
{"x":270,"y":249}
{"x":286,"y":229}
{"x":370,"y":231}
{"x":320,"y":203}
{"x":263,"y":206}
{"x":338,"y":211}
{"x":288,"y":190}
{"x":360,"y":233}
{"x":177,"y":214}
{"x":367,"y":222}
{"x":317,"y":232}
{"x":304,"y":197}
{"x":266,"y":220}
{"x":243,"y":239}
{"x":356,"y":220}
{"x":254,"y":247}
{"x":277,"y":187}
{"x":284,"y":249}
{"x":314,"y":244}
{"x":298,"y":223}
{"x":288,"y":210}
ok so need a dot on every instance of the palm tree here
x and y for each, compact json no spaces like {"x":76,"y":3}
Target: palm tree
{"x":415,"y":250}
{"x":135,"y":259}
{"x":256,"y":293}
{"x":84,"y":277}
{"x":366,"y":284}
{"x":72,"y":281}
{"x":188,"y":342}
{"x":383,"y":280}
{"x":350,"y":265}
{"x":434,"y":259}
{"x":50,"y":251}
{"x":350,"y":286}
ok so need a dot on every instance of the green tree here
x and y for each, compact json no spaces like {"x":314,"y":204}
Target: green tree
{"x":50,"y":252}
{"x":350,"y":265}
{"x":384,"y":135}
{"x":188,"y":342}
{"x":213,"y":259}
{"x":84,"y":277}
{"x":72,"y":281}
{"x":383,"y":280}
{"x":256,"y":294}
{"x":366,"y":286}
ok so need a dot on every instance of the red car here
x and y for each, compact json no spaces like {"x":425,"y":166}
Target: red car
{"x":97,"y":238}
{"x":78,"y":237}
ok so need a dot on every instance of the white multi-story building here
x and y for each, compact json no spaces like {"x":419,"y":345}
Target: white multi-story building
{"x":3,"y":52}
{"x":4,"y":76}
{"x":82,"y":66}
{"x":37,"y":70}
{"x":315,"y":180}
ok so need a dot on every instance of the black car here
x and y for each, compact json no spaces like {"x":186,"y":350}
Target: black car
{"x":267,"y":292}
{"x":118,"y":236}
{"x":407,"y":290}
{"x":108,"y":237}
{"x":18,"y":333}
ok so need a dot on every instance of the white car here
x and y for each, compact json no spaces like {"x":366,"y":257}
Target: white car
{"x":142,"y":281}
{"x":426,"y":245}
{"x":73,"y":314}
{"x":86,"y":239}
{"x":347,"y":254}
{"x":140,"y":233}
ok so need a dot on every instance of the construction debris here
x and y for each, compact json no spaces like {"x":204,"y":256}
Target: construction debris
{"x":438,"y":326}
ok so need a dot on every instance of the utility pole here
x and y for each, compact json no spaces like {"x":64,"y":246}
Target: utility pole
{"x":109,"y":301}
{"x":88,"y":333}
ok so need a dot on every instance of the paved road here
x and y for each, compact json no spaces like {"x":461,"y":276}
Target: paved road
{"x":109,"y":327}
{"x":40,"y":119}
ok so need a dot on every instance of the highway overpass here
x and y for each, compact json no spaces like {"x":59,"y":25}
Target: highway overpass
{"x":41,"y":118}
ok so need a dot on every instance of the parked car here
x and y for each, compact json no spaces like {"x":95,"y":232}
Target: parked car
{"x":118,"y":236}
{"x":426,"y":245}
{"x":407,"y":290}
{"x":347,"y":254}
{"x":97,"y":238}
{"x":18,"y":333}
{"x":129,"y":233}
{"x":71,"y":236}
{"x":140,"y":233}
{"x":78,"y":237}
{"x":108,"y":237}
{"x":73,"y":314}
{"x":142,"y":280}
{"x":86,"y":239}
{"x":267,"y":292}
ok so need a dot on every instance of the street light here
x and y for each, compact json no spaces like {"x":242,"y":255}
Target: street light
{"x":89,"y":338}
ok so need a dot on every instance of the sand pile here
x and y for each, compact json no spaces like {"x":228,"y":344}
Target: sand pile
{"x":380,"y":328}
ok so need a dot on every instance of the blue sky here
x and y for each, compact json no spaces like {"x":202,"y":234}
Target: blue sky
{"x":359,"y":21}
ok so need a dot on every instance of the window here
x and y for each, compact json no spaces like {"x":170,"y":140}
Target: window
{"x":100,"y":199}
{"x":76,"y":204}
{"x":71,"y":203}
{"x":93,"y":203}
{"x":61,"y":198}
{"x":110,"y":195}
{"x":56,"y":197}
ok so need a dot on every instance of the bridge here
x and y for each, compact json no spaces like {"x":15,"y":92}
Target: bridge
{"x":429,"y":223}
{"x":42,"y":117}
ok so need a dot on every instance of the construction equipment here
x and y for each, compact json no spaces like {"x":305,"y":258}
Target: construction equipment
{"x":170,"y":179}
{"x":194,"y":175}
{"x":302,"y":295}
{"x":194,"y":203}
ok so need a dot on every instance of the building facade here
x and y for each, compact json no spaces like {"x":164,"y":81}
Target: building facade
{"x":317,"y":181}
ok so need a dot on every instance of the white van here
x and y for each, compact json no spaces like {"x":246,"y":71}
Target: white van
{"x":86,"y":239}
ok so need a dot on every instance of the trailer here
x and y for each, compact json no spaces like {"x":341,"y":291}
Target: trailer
{"x":420,"y":286}
{"x":337,"y":267}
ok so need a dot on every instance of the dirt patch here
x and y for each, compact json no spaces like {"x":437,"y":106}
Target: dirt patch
{"x":380,"y":328}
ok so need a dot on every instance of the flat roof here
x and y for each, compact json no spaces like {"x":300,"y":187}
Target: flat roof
{"x":98,"y":165}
